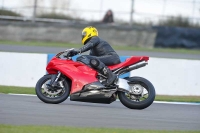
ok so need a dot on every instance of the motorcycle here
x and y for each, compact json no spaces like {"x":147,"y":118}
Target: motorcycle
{"x":82,"y":83}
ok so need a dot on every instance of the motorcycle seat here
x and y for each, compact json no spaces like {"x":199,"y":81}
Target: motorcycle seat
{"x":129,"y":61}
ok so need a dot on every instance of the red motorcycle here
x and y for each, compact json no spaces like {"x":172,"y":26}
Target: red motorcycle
{"x":67,"y":77}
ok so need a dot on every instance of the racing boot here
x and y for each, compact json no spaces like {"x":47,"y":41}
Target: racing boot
{"x":104,"y":70}
{"x":111,"y":77}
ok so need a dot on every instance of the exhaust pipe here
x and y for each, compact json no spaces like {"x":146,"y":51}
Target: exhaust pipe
{"x":133,"y":67}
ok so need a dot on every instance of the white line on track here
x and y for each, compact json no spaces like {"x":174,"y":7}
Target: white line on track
{"x":20,"y":94}
{"x":163,"y":102}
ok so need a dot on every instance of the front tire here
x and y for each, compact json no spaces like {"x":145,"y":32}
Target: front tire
{"x":52,"y":96}
{"x":138,"y":99}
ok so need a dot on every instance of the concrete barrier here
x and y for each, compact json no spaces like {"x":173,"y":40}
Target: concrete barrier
{"x":21,"y":69}
{"x":71,"y":33}
{"x":169,"y":76}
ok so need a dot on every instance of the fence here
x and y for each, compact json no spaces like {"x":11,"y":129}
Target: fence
{"x":144,"y":11}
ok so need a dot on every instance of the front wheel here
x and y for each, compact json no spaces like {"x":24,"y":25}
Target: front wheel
{"x":50,"y":95}
{"x":142,"y":93}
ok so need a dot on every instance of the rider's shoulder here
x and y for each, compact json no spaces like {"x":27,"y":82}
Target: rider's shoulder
{"x":95,"y":39}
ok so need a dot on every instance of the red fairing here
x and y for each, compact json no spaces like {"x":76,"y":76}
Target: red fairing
{"x":79,"y":73}
{"x":130,"y":61}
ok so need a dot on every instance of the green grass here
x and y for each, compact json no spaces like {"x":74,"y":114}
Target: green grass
{"x":38,"y":43}
{"x":70,"y":45}
{"x":178,"y":98}
{"x":26,"y":90}
{"x":62,"y":129}
{"x":16,"y":90}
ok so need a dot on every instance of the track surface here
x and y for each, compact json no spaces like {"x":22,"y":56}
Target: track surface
{"x":29,"y":110}
{"x":42,"y":49}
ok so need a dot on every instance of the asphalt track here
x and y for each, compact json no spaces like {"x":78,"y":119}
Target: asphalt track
{"x":29,"y":110}
{"x":42,"y":49}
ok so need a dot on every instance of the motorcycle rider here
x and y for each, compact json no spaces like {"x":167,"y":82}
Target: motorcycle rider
{"x":101,"y":54}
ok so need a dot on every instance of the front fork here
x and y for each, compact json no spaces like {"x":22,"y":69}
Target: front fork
{"x":54,"y":78}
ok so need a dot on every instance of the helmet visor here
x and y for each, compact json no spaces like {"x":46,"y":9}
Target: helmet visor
{"x":83,"y":34}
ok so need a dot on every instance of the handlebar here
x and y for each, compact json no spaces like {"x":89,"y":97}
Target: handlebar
{"x":66,"y":54}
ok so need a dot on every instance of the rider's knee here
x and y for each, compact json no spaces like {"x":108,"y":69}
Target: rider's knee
{"x":94,"y":63}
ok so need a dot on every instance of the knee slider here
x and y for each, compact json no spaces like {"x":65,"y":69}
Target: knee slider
{"x":94,"y":63}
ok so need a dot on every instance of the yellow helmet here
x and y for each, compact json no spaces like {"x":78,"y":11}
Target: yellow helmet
{"x":88,"y":32}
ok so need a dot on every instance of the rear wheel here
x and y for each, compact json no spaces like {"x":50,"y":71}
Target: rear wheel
{"x":142,"y":93}
{"x":52,"y":95}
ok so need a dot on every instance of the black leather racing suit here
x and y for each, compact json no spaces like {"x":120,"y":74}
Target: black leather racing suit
{"x":99,"y":50}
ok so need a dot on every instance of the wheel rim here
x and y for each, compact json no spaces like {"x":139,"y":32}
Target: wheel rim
{"x":138,"y":92}
{"x":53,"y":93}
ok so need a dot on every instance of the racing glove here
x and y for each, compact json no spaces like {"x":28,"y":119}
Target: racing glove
{"x":75,"y":52}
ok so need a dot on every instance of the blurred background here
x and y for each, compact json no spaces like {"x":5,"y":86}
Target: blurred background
{"x":150,"y":23}
{"x":150,"y":12}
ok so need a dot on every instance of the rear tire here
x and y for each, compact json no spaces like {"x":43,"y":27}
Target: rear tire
{"x":134,"y":104}
{"x":48,"y":98}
